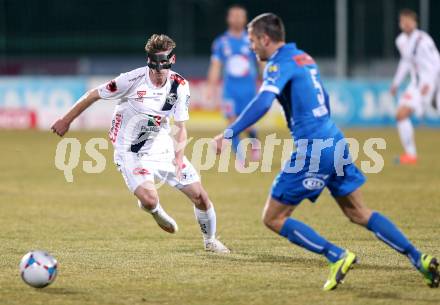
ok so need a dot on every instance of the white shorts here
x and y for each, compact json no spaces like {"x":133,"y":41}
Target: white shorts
{"x":413,"y":99}
{"x":155,"y":169}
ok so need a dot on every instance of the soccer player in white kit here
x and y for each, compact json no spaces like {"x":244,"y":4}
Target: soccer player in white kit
{"x":420,"y":58}
{"x":144,"y":150}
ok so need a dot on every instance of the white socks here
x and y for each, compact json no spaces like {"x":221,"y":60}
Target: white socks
{"x":207,"y":221}
{"x":406,"y":133}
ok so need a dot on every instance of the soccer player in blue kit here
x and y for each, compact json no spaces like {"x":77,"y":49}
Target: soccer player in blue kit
{"x":231,"y":53}
{"x":292,"y":77}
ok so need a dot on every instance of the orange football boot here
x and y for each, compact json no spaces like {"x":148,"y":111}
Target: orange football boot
{"x":408,"y":159}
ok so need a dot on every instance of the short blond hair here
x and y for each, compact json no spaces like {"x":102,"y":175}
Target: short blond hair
{"x":159,"y":43}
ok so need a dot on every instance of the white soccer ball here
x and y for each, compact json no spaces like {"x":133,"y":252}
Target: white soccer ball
{"x":38,"y":269}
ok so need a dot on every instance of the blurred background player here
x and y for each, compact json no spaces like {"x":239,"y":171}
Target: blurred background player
{"x":420,"y":58}
{"x":144,"y":150}
{"x":292,"y":77}
{"x":231,"y":51}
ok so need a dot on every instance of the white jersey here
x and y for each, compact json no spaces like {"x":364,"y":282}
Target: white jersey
{"x":419,"y":57}
{"x":141,"y":119}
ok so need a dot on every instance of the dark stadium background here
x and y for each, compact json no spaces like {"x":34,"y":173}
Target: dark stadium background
{"x":94,"y":37}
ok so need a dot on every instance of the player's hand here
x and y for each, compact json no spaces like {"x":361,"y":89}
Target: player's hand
{"x":218,"y":143}
{"x":424,"y":90}
{"x":60,"y":127}
{"x":178,"y":162}
{"x":393,"y":90}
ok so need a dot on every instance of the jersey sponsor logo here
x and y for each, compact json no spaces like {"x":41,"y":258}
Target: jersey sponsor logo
{"x":238,"y":65}
{"x":313,"y":183}
{"x":304,"y":60}
{"x":116,"y":125}
{"x":111,"y":86}
{"x":139,"y":171}
{"x":141,"y":93}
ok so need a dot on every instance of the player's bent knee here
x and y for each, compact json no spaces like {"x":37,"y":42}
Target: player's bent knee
{"x":203,"y":200}
{"x":148,"y":201}
{"x":273,"y":223}
{"x":197,"y":199}
{"x":403,"y":113}
{"x":200,"y":199}
{"x":148,"y":205}
{"x":360,"y":216}
{"x":267,"y":222}
{"x":400,"y":116}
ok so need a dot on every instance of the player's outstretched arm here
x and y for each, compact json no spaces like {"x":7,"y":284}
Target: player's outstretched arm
{"x":61,"y":126}
{"x":254,"y":111}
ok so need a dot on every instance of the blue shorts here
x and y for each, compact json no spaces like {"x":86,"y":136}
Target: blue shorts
{"x":234,"y":104}
{"x":293,"y":186}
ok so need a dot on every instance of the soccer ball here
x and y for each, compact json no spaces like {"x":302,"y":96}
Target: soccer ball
{"x":38,"y":269}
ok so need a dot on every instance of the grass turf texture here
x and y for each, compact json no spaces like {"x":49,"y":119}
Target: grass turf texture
{"x":110,"y":252}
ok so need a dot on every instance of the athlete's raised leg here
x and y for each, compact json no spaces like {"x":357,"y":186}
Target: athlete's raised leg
{"x":148,"y":200}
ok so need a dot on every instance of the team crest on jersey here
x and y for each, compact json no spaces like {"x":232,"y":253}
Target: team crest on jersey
{"x":273,"y":72}
{"x":141,"y":93}
{"x":111,"y":86}
{"x":272,"y":69}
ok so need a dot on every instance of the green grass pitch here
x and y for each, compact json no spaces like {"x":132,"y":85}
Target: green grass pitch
{"x":110,"y":252}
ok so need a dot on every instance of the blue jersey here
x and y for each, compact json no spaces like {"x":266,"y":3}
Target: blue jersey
{"x":239,"y":64}
{"x":294,"y":77}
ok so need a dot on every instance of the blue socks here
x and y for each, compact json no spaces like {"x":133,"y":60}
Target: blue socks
{"x":387,"y":232}
{"x":304,"y":236}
